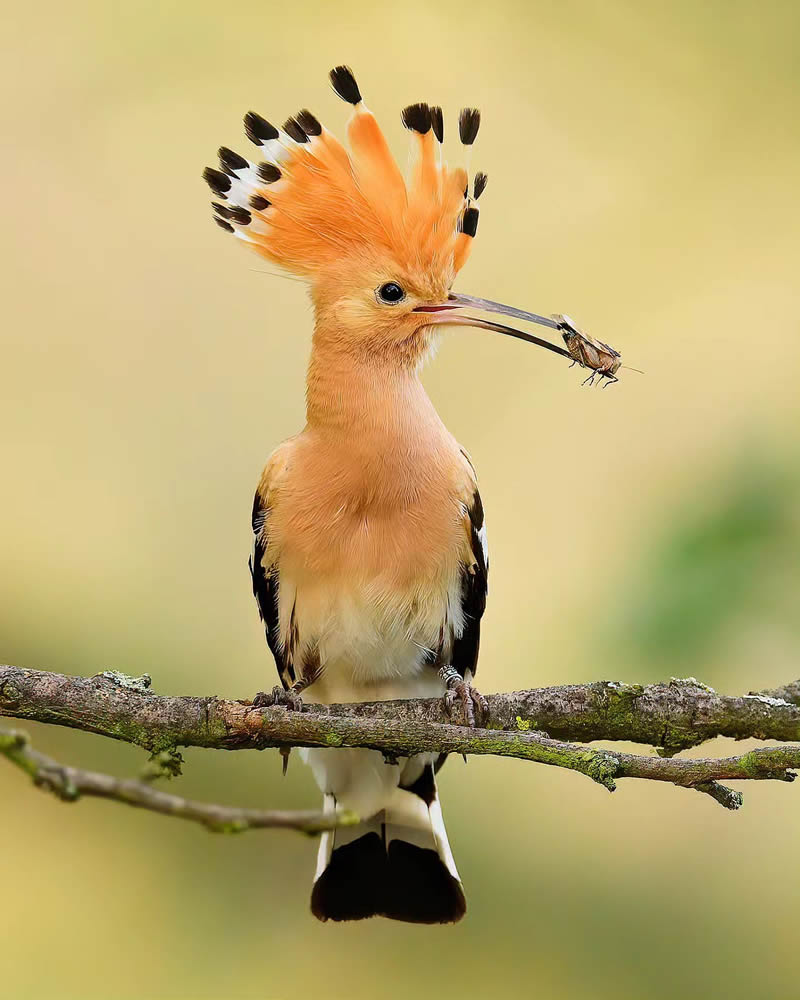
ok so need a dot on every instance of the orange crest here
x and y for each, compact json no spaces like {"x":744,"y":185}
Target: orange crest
{"x":309,"y":205}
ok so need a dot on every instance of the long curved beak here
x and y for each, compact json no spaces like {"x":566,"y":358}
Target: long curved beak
{"x":450,"y":313}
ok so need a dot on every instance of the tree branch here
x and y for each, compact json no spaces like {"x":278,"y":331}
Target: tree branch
{"x":71,"y":783}
{"x":671,"y":716}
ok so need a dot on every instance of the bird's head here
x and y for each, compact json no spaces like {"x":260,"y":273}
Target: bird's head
{"x":380,"y":253}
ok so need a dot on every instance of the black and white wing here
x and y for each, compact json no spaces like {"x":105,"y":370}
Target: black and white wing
{"x":474,"y":586}
{"x":266,"y":582}
{"x":280,"y":627}
{"x":266,"y":587}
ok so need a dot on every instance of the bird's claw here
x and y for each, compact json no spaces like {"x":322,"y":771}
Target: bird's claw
{"x":473,"y":708}
{"x":290,"y":699}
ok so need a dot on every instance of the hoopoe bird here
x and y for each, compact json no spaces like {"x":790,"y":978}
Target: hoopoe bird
{"x":370,"y":565}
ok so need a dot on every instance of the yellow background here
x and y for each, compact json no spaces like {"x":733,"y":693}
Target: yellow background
{"x":643,"y":165}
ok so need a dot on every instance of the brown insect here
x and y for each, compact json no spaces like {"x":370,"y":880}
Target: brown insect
{"x":587,"y":352}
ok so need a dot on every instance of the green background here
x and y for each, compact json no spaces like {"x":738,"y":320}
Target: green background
{"x":643,"y":165}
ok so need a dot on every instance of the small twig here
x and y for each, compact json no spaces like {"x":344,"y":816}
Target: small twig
{"x":71,"y":783}
{"x":727,"y":797}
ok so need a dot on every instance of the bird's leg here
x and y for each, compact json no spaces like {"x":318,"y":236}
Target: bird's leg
{"x":470,"y":699}
{"x":278,"y":696}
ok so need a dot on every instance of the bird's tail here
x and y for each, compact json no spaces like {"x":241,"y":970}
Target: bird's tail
{"x":397,"y":864}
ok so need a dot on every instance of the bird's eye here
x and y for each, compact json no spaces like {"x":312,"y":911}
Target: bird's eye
{"x":391,"y":293}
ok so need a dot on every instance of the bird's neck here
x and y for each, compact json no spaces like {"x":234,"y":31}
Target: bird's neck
{"x":380,"y":475}
{"x":369,"y":403}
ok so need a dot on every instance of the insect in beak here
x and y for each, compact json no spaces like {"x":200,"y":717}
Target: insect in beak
{"x":602,"y":360}
{"x":449,"y":314}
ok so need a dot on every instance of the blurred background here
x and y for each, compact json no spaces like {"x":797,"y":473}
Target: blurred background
{"x":643,"y":163}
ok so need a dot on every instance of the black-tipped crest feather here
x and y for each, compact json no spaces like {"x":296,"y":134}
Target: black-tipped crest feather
{"x":469,"y":221}
{"x":344,"y":83}
{"x":268,"y":172}
{"x":417,"y":118}
{"x":469,"y":121}
{"x":217,"y":181}
{"x":437,"y":123}
{"x":258,"y":129}
{"x":479,"y":184}
{"x":308,"y":122}
{"x":259,"y":203}
{"x":223,"y":224}
{"x":233,"y":213}
{"x":294,"y":130}
{"x":231,"y":161}
{"x":236,"y":213}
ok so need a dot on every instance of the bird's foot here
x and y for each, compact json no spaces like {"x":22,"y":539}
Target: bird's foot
{"x":473,"y":708}
{"x":277,"y":696}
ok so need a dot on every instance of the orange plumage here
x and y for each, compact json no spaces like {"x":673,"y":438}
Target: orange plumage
{"x":331,"y":209}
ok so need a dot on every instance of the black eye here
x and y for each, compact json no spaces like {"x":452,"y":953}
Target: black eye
{"x":391,"y":292}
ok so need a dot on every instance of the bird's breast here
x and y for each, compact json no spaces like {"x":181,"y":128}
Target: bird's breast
{"x":391,"y":515}
{"x":369,"y":559}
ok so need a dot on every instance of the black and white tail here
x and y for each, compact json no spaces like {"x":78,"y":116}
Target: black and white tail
{"x":397,"y":864}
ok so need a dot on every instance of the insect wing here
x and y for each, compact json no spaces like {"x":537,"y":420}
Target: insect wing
{"x":609,"y":348}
